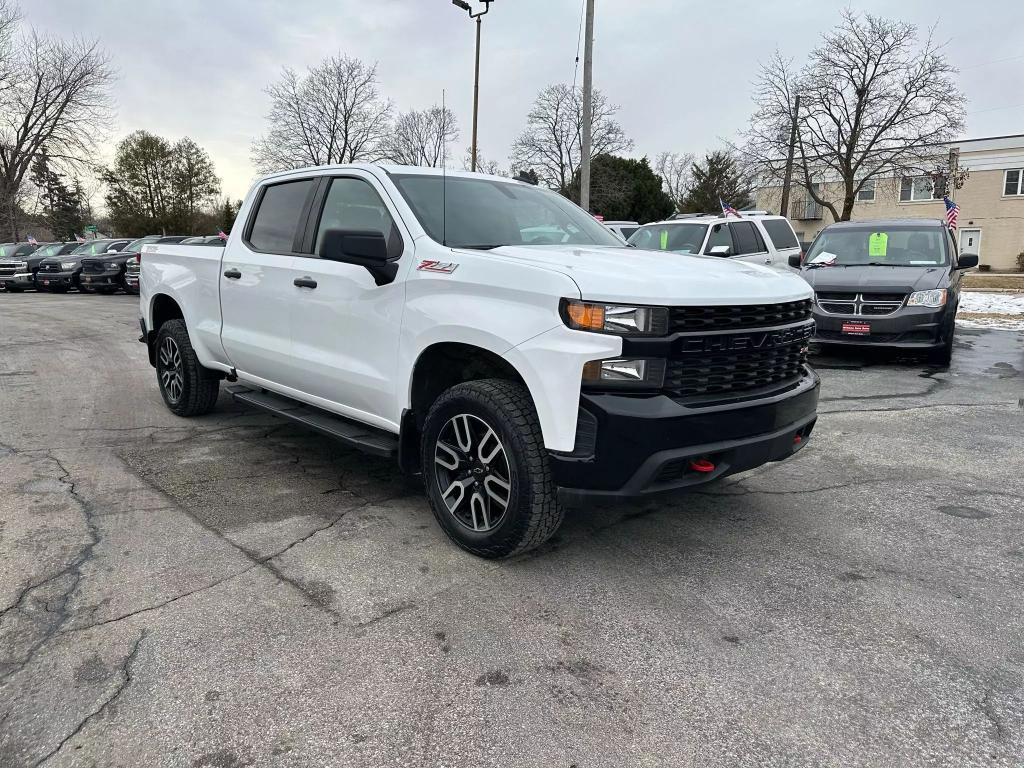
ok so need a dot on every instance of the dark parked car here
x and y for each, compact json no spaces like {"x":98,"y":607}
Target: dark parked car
{"x":129,"y":279}
{"x":886,"y":283}
{"x":205,"y":240}
{"x":60,"y":273}
{"x":18,"y":264}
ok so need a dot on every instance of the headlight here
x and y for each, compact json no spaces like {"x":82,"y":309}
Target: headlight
{"x":68,"y":265}
{"x":648,"y":373}
{"x":933,"y":298}
{"x":614,"y":318}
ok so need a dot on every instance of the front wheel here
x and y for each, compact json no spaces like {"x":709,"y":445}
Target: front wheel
{"x":187,"y":387}
{"x":486,"y":470}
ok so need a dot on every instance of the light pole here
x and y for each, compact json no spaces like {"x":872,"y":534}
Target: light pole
{"x":476,"y":78}
{"x":588,"y":114}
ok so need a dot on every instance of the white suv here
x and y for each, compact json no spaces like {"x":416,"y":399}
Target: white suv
{"x":759,"y":238}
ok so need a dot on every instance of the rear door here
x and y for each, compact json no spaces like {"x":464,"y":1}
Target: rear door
{"x":748,"y":245}
{"x":344,"y":327}
{"x":782,"y":238}
{"x":256,"y":288}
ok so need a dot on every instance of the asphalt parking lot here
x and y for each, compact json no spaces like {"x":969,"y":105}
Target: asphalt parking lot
{"x":232,"y":591}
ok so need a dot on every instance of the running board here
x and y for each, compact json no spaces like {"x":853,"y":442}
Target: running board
{"x":351,"y":433}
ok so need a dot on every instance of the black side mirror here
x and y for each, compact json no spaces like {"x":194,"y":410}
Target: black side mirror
{"x":363,"y":247}
{"x":795,"y":260}
{"x":967,"y":260}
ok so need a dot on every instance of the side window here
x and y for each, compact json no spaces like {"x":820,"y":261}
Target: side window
{"x":719,"y":236}
{"x":354,"y":204}
{"x":278,"y":217}
{"x":780,"y":233}
{"x":747,"y":238}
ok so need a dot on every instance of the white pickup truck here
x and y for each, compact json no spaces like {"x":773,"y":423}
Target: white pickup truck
{"x":488,"y":334}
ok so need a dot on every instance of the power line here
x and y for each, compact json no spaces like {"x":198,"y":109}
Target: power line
{"x":579,"y":39}
{"x":994,"y":61}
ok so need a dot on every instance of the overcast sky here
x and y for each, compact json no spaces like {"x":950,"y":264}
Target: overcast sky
{"x":680,"y":69}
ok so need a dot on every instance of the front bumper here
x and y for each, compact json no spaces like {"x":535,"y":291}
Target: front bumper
{"x":48,"y":281}
{"x":109,"y":279}
{"x":631,"y":446}
{"x":131,"y":282}
{"x":18,"y":280}
{"x":907,"y":328}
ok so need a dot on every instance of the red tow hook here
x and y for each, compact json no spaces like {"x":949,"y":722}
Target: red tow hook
{"x":701,"y":465}
{"x":797,"y":440}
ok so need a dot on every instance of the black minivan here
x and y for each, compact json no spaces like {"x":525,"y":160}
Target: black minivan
{"x":893,"y":283}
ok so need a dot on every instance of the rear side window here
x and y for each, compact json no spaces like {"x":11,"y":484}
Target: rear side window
{"x":748,"y":239}
{"x":781,"y":233}
{"x":281,"y":212}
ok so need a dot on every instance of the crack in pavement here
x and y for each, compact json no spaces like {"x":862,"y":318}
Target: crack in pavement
{"x":72,"y":569}
{"x":915,"y":407}
{"x":934,"y":386}
{"x":126,"y":669}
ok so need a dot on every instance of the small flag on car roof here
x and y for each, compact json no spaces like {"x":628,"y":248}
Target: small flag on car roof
{"x":952,"y":213}
{"x":728,"y":210}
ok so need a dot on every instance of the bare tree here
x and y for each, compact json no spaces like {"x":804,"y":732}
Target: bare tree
{"x":874,"y":104}
{"x":676,"y":171}
{"x":54,"y":94}
{"x":332,"y":114}
{"x":551,"y":143}
{"x":421,"y":137}
{"x":483,"y":164}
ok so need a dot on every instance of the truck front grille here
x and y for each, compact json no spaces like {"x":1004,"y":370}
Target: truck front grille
{"x":8,"y":268}
{"x":874,"y":304}
{"x":726,"y":364}
{"x":685,"y":319}
{"x":50,"y":266}
{"x":92,"y":266}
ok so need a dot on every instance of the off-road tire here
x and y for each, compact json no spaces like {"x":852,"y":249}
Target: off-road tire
{"x":533,"y":514}
{"x":199,"y":386}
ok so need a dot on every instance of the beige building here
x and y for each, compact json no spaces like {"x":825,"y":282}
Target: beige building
{"x":991,"y":201}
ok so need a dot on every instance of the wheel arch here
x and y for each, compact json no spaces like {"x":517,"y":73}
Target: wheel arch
{"x":439,"y":367}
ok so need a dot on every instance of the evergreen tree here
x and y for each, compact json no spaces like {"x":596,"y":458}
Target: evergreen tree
{"x":228,"y":213}
{"x":623,"y":189}
{"x":61,"y":204}
{"x":718,"y":179}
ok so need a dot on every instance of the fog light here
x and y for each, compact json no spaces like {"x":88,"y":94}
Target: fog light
{"x":625,"y":372}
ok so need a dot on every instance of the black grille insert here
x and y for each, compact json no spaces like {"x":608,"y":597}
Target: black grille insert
{"x":737,"y":317}
{"x":728,"y":365}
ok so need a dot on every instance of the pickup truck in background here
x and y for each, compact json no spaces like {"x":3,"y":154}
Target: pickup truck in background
{"x":488,"y":334}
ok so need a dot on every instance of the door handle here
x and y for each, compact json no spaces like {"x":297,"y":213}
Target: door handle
{"x":304,"y":282}
{"x":232,"y":273}
{"x":768,"y":260}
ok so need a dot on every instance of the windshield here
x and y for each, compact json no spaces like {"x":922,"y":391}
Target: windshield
{"x":889,"y":246}
{"x":7,"y":249}
{"x":679,"y":238}
{"x":92,"y":248}
{"x":486,"y":214}
{"x":49,"y":250}
{"x":136,"y":245}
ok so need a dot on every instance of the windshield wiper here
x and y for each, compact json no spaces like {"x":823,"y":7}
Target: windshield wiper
{"x":478,"y":247}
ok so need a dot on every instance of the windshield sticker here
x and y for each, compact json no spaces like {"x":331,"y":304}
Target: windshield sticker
{"x":664,"y":239}
{"x":878,"y":244}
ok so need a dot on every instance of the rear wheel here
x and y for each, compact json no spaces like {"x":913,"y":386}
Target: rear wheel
{"x":187,"y":387}
{"x":486,"y":470}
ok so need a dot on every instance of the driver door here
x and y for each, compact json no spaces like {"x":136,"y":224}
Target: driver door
{"x":344,"y":327}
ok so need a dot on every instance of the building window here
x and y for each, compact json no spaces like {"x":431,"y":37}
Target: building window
{"x":867,"y":192}
{"x":917,"y":188}
{"x":1013,"y":182}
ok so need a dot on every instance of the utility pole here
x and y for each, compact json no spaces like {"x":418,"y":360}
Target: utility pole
{"x":476,"y":94}
{"x":476,"y":74}
{"x":789,"y":160}
{"x":588,"y":99}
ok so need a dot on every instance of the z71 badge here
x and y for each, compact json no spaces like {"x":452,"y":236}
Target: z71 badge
{"x":432,"y":265}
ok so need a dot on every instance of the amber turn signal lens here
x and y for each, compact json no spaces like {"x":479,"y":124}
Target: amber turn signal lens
{"x":586,"y":317}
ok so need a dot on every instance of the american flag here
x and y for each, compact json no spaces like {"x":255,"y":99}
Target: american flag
{"x":728,"y":210}
{"x":221,"y":235}
{"x":32,"y":240}
{"x":952,"y":213}
{"x":79,"y":238}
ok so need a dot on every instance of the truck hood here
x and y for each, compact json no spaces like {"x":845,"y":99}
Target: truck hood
{"x":631,"y":275}
{"x":876,"y":279}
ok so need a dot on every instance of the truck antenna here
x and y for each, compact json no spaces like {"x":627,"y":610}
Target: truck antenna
{"x":444,"y":180}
